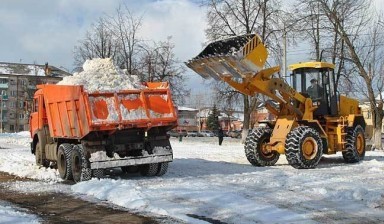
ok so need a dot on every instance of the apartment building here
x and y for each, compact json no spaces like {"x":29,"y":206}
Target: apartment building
{"x":17,"y":86}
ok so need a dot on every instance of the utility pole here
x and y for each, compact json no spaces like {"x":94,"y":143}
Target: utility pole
{"x":284,"y":53}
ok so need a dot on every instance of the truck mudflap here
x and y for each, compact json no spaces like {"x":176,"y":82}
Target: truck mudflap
{"x":99,"y":160}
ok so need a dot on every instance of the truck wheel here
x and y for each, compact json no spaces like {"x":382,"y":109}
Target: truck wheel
{"x":162,"y":169}
{"x":303,"y":148}
{"x":254,"y":148}
{"x":98,"y":173}
{"x":40,"y":161}
{"x":149,"y":170}
{"x":81,"y":170}
{"x":355,"y":145}
{"x":64,"y":161}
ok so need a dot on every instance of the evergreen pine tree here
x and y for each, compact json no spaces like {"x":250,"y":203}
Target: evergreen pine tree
{"x":213,"y":119}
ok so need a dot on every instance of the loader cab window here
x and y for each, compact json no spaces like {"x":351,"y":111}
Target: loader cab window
{"x":309,"y":82}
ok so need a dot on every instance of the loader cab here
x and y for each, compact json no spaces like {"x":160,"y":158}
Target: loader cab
{"x":316,"y":80}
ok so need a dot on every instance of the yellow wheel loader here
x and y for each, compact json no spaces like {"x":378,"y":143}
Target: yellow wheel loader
{"x":312,"y":118}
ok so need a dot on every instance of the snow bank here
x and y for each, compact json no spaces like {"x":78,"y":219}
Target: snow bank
{"x":21,"y":139}
{"x":101,"y":75}
{"x":16,"y":158}
{"x":12,"y":214}
{"x":211,"y":182}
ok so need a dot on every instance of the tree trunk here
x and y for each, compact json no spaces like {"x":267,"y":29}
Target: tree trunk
{"x":377,"y":122}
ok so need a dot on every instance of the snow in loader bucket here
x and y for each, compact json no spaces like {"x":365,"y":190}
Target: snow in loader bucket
{"x":238,"y":57}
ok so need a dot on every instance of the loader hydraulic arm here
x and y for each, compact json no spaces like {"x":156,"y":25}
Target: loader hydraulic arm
{"x":238,"y":61}
{"x":291,"y":102}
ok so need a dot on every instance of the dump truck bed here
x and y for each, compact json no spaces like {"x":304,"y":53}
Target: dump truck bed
{"x":73,"y":113}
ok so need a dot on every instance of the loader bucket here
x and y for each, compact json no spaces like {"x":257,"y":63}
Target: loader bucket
{"x":237,"y":57}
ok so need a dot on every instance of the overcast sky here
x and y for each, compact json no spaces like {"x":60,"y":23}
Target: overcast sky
{"x":39,"y":31}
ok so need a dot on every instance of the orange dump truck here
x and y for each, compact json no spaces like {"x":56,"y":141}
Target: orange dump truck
{"x":83,"y":133}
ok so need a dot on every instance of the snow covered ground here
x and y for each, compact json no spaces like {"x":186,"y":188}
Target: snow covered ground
{"x":12,"y":214}
{"x":207,"y":183}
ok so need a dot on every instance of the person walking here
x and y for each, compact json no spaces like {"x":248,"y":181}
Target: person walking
{"x":220,"y":134}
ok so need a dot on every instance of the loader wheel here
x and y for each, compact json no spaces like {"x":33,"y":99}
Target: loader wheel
{"x":163,"y":168}
{"x":255,"y":148}
{"x":80,"y":165}
{"x":40,"y":161}
{"x":64,"y":161}
{"x":149,"y":170}
{"x":355,"y":145}
{"x":303,"y":148}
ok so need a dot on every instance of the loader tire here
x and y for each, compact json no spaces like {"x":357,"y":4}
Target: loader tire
{"x":355,"y":145}
{"x":40,"y":161}
{"x":80,"y":165}
{"x":149,"y":170}
{"x":303,"y":148}
{"x":162,"y":169}
{"x":253,"y":147}
{"x":64,"y":161}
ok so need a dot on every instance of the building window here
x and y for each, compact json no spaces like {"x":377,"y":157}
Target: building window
{"x":3,"y":81}
{"x":21,"y":104}
{"x":21,"y":116}
{"x":21,"y":127}
{"x":22,"y":82}
{"x":12,"y":104}
{"x":13,"y":82}
{"x":13,"y":93}
{"x":12,"y":128}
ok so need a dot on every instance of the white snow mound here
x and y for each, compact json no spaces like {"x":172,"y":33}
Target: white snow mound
{"x":101,"y":75}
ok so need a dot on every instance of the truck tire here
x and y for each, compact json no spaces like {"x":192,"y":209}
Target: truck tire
{"x":98,"y":173}
{"x":355,"y":145}
{"x":81,"y":170}
{"x":162,"y":169}
{"x":303,"y":148}
{"x":64,"y":161}
{"x":40,"y":161}
{"x":254,"y":148}
{"x":149,"y":170}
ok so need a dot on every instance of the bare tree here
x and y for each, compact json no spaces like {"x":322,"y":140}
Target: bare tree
{"x":159,"y":64}
{"x":125,"y":26}
{"x":98,"y":42}
{"x":359,"y":31}
{"x":117,"y":37}
{"x":234,"y":17}
{"x":309,"y":23}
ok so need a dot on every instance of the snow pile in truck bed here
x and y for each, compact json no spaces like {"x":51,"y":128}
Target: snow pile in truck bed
{"x":101,"y":75}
